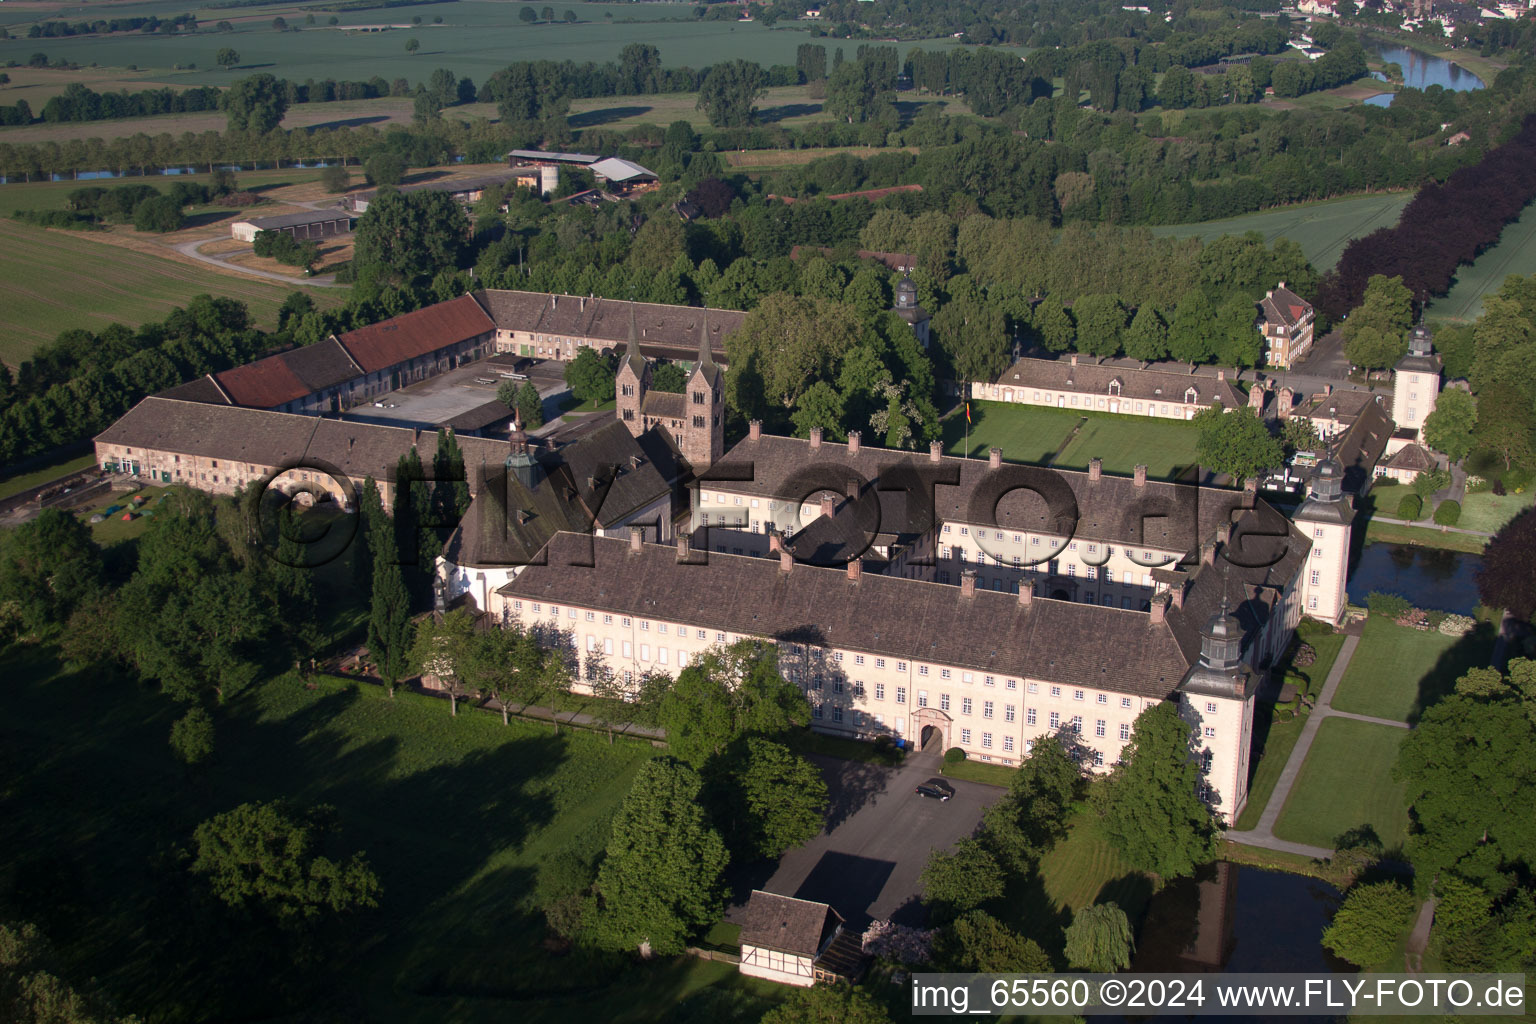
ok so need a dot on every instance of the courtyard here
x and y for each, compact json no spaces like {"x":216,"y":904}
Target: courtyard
{"x":1069,"y":439}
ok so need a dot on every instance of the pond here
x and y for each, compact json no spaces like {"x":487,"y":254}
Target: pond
{"x":1430,"y":578}
{"x":1422,"y":70}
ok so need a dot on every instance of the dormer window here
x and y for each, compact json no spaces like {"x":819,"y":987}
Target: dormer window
{"x":1114,"y":387}
{"x":1191,"y":395}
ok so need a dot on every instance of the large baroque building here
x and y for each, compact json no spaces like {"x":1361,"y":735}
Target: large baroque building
{"x":1082,"y":383}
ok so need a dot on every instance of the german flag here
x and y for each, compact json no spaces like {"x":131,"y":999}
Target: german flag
{"x":967,"y":412}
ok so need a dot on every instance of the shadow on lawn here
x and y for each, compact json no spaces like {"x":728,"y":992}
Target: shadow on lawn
{"x":1475,"y":650}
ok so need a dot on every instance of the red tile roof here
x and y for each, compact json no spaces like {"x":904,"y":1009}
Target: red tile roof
{"x":410,"y":335}
{"x":264,"y":384}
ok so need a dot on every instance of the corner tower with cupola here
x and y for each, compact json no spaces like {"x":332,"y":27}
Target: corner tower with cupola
{"x":1325,"y":518}
{"x":1218,"y":690}
{"x":1416,"y":383}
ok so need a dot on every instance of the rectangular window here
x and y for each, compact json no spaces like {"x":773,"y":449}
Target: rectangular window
{"x":986,"y":739}
{"x":922,"y":698}
{"x":944,"y":673}
{"x":965,"y":735}
{"x":1076,"y":722}
{"x":629,"y":649}
{"x":1008,"y":743}
{"x":661,"y":627}
{"x":661,"y":655}
{"x":1033,"y":688}
{"x":1013,"y":684}
{"x":607,"y":645}
{"x":901,"y":666}
{"x":1098,"y":758}
{"x":1055,"y":719}
{"x":858,"y":659}
{"x":1210,"y":707}
{"x":1103,"y":698}
{"x":965,"y":705}
{"x":1098,"y":727}
{"x":1029,"y":716}
{"x":1125,"y":731}
{"x":986,"y":709}
{"x":837,"y":713}
{"x":816,"y":711}
{"x":943,"y":702}
{"x":645,"y":625}
{"x":1077,"y":694}
{"x":1125,"y":702}
{"x":1009,"y":712}
{"x":901,"y":695}
{"x":922,"y":670}
{"x":607,"y":620}
{"x":591,"y":617}
{"x":837,"y":686}
{"x":1317,"y":577}
{"x":879,"y":691}
{"x":645,"y":652}
{"x":1056,"y":691}
{"x":879,"y":663}
{"x":1210,"y":732}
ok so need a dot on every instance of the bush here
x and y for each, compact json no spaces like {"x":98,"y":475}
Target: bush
{"x":1390,"y":605}
{"x":1448,"y":513}
{"x":1498,"y":488}
{"x":1410,"y":508}
{"x":159,"y":213}
{"x":1457,"y":625}
{"x":335,"y":178}
{"x":384,"y":169}
{"x":954,"y":755}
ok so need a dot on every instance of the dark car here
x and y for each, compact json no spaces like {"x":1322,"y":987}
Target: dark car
{"x":936,"y":788}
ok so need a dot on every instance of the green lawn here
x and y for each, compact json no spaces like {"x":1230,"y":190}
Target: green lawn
{"x":1322,"y":229}
{"x":1346,"y":783}
{"x":22,"y":481}
{"x":1024,"y":433}
{"x":979,"y":771}
{"x":1084,"y":869}
{"x":1034,"y":434}
{"x":1422,"y":536}
{"x":1396,"y":671}
{"x":455,"y":815}
{"x":1487,"y":511}
{"x":1124,"y":442}
{"x":1515,"y":253}
{"x":52,"y":281}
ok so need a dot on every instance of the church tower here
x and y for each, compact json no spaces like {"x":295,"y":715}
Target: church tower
{"x":703,"y":440}
{"x":631,"y":381}
{"x":1217,"y":697}
{"x":1416,"y":383}
{"x":1325,"y":519}
{"x":908,"y":309}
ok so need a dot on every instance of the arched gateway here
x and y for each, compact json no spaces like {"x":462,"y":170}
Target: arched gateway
{"x":931,"y":723}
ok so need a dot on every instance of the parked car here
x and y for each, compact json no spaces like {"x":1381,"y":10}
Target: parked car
{"x":938,"y":789}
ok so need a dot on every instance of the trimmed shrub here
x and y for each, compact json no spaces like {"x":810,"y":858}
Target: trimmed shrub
{"x":1498,"y":488}
{"x":954,"y":755}
{"x":1410,"y":508}
{"x":1457,"y":625}
{"x":1448,"y":513}
{"x":1390,"y":605}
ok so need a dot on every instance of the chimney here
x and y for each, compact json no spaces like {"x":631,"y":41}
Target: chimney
{"x":852,"y":488}
{"x":775,"y":540}
{"x":1282,"y":284}
{"x":968,"y":583}
{"x":1095,"y":469}
{"x":1224,"y":533}
{"x":815,"y":439}
{"x":995,"y":458}
{"x":1026,"y":593}
{"x":828,"y":504}
{"x":786,"y":559}
{"x":1141,"y":476}
{"x":636,"y":537}
{"x":1208,"y":553}
{"x":1159,"y":610}
{"x":1177,"y":592}
{"x":683,"y":545}
{"x":853,"y":442}
{"x":1221,"y":374}
{"x":754,"y":430}
{"x":1327,"y":389}
{"x":855,"y":570}
{"x":1251,"y":485}
{"x":1074,"y":358}
{"x":935,"y":450}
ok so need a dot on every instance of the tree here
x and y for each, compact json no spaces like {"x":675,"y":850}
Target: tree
{"x":160,"y":214}
{"x":192,"y":737}
{"x":974,"y":333}
{"x":1192,"y":336}
{"x":1025,"y":825}
{"x":389,"y":613}
{"x":412,"y":45}
{"x":1449,"y":428}
{"x":255,"y":104}
{"x":667,"y":377}
{"x":963,"y":880}
{"x":384,"y":168}
{"x":979,"y":942}
{"x":1100,"y":324}
{"x":48,"y":566}
{"x":280,"y":24}
{"x":529,"y":405}
{"x":1238,"y":342}
{"x":1367,"y":926}
{"x":729,"y":91}
{"x":1236,"y":443}
{"x":1099,"y":939}
{"x":1507,"y":578}
{"x":660,"y":880}
{"x":1506,"y":424}
{"x":335,"y":179}
{"x":1147,"y":338}
{"x":441,"y":650}
{"x":31,"y":990}
{"x":828,"y":1004}
{"x":726,"y":693}
{"x":409,"y":236}
{"x":1376,"y":331}
{"x":697,"y":714}
{"x":227,"y":57}
{"x":1054,"y":323}
{"x":266,"y":858}
{"x":590,"y":376}
{"x":1430,"y":481}
{"x":775,"y":799}
{"x":1298,"y":434}
{"x":528,"y":15}
{"x":787,"y":343}
{"x":1154,"y":817}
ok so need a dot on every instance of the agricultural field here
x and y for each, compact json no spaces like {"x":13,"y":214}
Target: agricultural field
{"x":787,"y":105}
{"x":1347,"y":783}
{"x":476,"y":38}
{"x":1515,"y":253}
{"x":1321,"y":229}
{"x":51,"y":281}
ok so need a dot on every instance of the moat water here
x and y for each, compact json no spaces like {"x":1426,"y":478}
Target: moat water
{"x":1437,"y":580}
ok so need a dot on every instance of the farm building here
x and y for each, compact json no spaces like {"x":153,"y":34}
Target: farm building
{"x":789,"y":940}
{"x":465,"y":190}
{"x":304,"y":225}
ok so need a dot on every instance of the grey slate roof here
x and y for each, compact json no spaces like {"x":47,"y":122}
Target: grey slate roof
{"x":612,"y":457}
{"x":1135,"y":384}
{"x":1344,"y":405}
{"x":288,"y":220}
{"x":787,"y":924}
{"x":662,"y":330}
{"x":664,"y":404}
{"x":322,"y":365}
{"x":1362,"y":446}
{"x":1414,"y":457}
{"x":1284,"y":307}
{"x":1107,"y":508}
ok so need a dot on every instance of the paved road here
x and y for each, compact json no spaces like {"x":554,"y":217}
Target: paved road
{"x":191,"y":249}
{"x":879,"y":834}
{"x":1263,"y":834}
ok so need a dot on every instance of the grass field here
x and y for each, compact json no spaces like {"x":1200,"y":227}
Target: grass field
{"x":1346,"y":783}
{"x":16,"y":484}
{"x":1422,"y":536}
{"x":52,"y":281}
{"x":1396,"y":672}
{"x":455,"y":815}
{"x":477,"y":38}
{"x":1084,"y":869}
{"x":1487,"y":511}
{"x":1515,"y":253}
{"x":1034,"y":434}
{"x":1321,"y":229}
